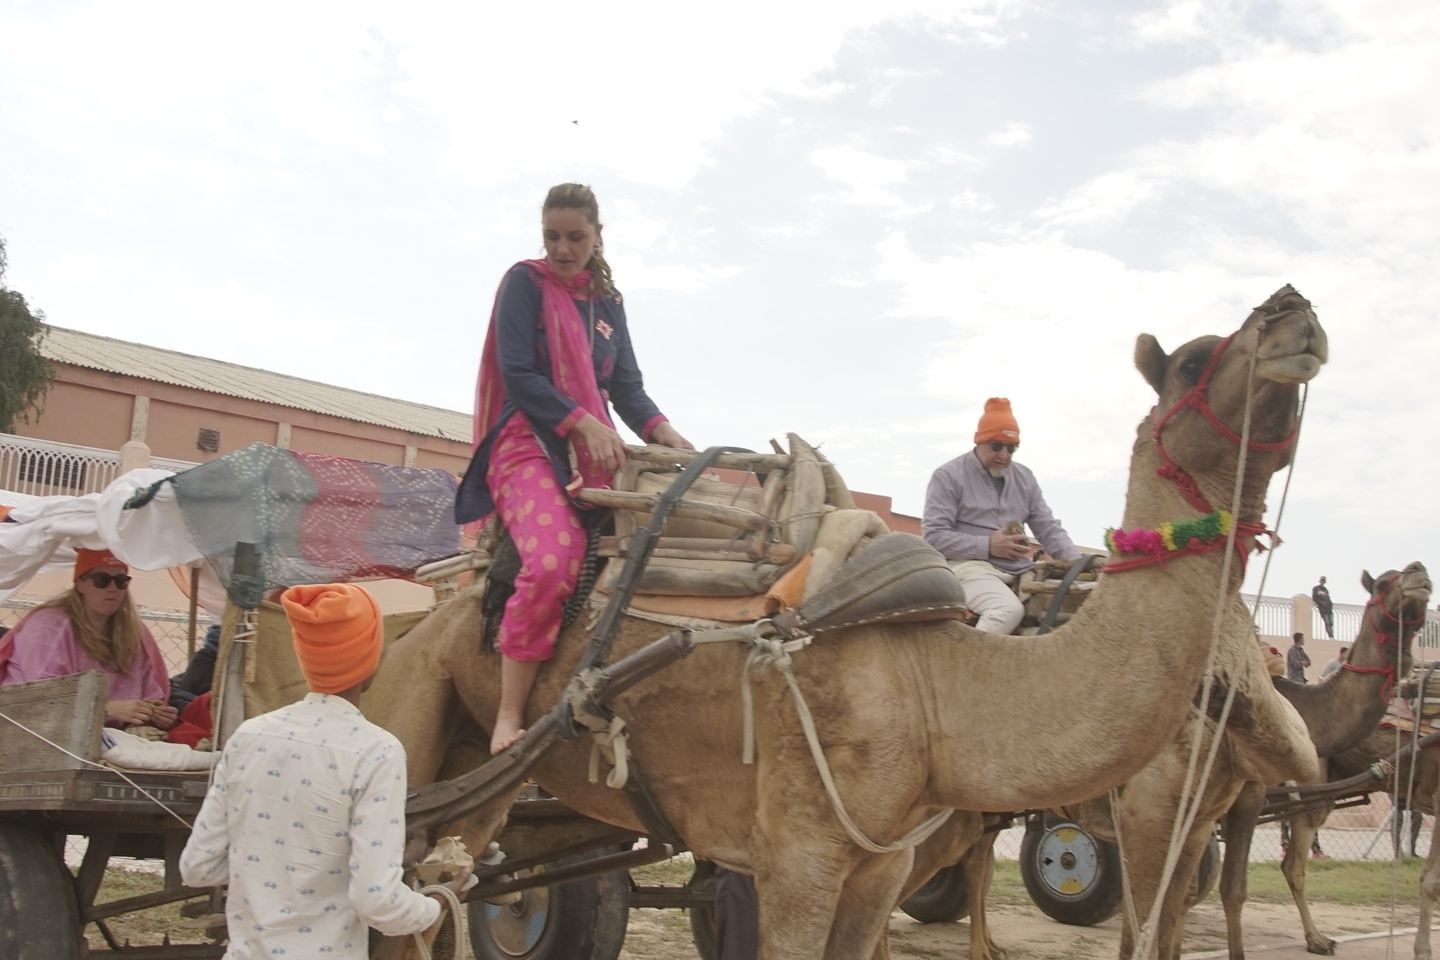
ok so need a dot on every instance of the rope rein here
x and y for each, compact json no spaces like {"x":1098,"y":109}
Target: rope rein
{"x":458,"y":919}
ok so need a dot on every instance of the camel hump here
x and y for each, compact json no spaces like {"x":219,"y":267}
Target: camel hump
{"x":895,"y":578}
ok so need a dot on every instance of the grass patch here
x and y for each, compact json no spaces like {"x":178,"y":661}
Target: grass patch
{"x":1356,"y":883}
{"x":146,"y":926}
{"x":674,"y":872}
{"x":1353,"y":882}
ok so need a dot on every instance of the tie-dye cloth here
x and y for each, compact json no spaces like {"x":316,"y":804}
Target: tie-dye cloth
{"x":314,"y":518}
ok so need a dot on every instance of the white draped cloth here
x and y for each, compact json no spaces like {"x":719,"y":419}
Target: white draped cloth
{"x":46,"y":530}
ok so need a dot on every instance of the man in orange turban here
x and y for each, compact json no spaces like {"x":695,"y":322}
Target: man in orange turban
{"x":317,"y":776}
{"x":976,"y":509}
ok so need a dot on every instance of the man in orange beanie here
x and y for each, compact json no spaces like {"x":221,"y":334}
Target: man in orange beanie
{"x":305,"y":818}
{"x":976,"y":508}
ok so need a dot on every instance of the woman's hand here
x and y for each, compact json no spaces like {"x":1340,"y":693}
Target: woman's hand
{"x":600,"y":443}
{"x":163,"y":716}
{"x":668,"y":436}
{"x":130,"y":713}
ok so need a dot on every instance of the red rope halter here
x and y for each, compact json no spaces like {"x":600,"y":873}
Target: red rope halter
{"x":1385,"y":641}
{"x":1247,"y":533}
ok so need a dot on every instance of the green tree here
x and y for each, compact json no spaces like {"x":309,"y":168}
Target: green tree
{"x":24,"y":372}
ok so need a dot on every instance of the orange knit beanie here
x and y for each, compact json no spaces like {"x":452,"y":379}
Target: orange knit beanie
{"x":338,"y":634}
{"x":87,"y":560}
{"x":997,"y":423}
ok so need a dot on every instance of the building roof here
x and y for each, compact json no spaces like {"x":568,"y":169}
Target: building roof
{"x":232,"y":380}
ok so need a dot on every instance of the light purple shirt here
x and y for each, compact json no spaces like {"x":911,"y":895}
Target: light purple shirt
{"x":45,"y":646}
{"x":305,"y":819}
{"x":962,"y":509}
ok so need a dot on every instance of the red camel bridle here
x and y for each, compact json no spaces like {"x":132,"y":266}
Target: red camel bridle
{"x":1385,"y":640}
{"x":1247,"y":533}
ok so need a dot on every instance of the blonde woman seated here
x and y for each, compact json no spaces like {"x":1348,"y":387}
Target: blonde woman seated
{"x":93,"y":626}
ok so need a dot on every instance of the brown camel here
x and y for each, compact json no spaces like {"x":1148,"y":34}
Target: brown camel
{"x":1335,"y":715}
{"x":916,"y":719}
{"x":1339,"y":712}
{"x":1262,"y":726}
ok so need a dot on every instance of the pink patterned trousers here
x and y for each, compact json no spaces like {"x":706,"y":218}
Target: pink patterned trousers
{"x":548,"y":535}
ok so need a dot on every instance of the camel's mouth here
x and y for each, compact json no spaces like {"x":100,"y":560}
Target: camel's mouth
{"x":1416,"y":587}
{"x":1296,"y":368}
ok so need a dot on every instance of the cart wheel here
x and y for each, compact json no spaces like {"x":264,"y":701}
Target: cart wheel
{"x":1072,"y":876}
{"x":703,"y":929}
{"x":580,"y":920}
{"x":1206,"y":874}
{"x":39,"y":919}
{"x":943,"y":899}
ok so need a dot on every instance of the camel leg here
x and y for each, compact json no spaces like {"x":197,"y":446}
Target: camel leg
{"x":1146,"y":847}
{"x":979,"y":866}
{"x":798,"y":885}
{"x":1302,"y":831}
{"x":859,"y":928}
{"x":1234,"y":877}
{"x":1173,"y":912}
{"x":1429,"y":891}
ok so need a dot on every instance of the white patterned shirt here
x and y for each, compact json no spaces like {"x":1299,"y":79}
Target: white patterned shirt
{"x":305,"y":820}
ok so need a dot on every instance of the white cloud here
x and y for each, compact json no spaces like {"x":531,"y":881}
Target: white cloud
{"x":1013,"y":134}
{"x":868,"y":178}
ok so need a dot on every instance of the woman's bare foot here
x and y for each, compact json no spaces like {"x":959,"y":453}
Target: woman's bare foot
{"x":516,"y":679}
{"x":508,"y":731}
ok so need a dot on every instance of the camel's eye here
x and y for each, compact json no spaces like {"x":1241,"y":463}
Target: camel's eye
{"x":1192,"y":366}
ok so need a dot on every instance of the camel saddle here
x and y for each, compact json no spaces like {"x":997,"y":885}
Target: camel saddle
{"x":895,"y":578}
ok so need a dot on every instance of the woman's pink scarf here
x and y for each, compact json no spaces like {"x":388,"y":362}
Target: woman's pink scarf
{"x":572,"y":367}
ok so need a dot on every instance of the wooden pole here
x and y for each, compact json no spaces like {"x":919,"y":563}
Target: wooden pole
{"x":194,"y":612}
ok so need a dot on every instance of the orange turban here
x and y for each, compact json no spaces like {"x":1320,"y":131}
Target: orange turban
{"x":338,"y":634}
{"x":87,"y":560}
{"x":997,"y":423}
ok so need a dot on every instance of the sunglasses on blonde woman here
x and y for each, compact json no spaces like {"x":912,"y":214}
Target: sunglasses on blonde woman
{"x":103,"y":580}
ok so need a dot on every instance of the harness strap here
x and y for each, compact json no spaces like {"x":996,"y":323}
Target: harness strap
{"x":771,"y":651}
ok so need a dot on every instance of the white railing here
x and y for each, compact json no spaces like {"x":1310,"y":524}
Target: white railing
{"x":42,"y":468}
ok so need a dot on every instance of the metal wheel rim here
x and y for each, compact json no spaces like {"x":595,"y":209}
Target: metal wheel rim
{"x":516,"y":928}
{"x":1067,"y":861}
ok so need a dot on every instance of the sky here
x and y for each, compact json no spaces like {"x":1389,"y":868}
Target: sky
{"x":854,"y":221}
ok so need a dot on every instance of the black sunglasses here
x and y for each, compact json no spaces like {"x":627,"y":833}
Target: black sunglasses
{"x":103,"y":580}
{"x":996,"y":446}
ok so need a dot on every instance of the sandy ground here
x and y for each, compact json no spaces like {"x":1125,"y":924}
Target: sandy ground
{"x":1272,"y":931}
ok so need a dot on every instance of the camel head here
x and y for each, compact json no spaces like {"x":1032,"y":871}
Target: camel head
{"x":1399,"y":600}
{"x":1205,"y":386}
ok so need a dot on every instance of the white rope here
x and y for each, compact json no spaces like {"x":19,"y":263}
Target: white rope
{"x":457,"y":917}
{"x":1127,"y":894}
{"x":771,"y":651}
{"x":99,"y":766}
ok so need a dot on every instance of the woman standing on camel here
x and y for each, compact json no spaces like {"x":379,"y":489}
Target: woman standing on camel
{"x":558,"y":348}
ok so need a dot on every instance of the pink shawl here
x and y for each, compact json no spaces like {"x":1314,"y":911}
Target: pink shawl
{"x":567,"y":335}
{"x":155,"y":661}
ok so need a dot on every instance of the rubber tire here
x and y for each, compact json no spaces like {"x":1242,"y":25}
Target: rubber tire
{"x":1207,"y":874}
{"x":943,"y":899}
{"x":582,"y":920}
{"x":704,"y":931}
{"x":1095,"y":904}
{"x":39,"y":919}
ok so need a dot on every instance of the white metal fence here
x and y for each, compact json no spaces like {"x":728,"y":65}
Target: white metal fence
{"x":43,"y":469}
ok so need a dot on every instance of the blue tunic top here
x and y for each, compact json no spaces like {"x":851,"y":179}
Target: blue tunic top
{"x":529,"y":389}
